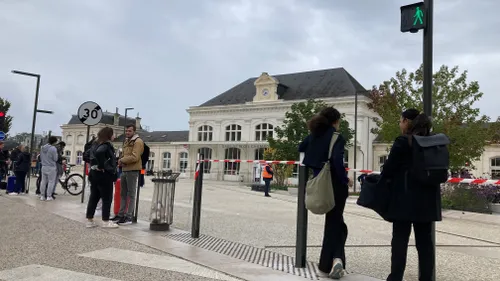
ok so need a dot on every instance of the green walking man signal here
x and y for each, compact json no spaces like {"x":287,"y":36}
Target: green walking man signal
{"x":413,"y":17}
{"x":419,"y":16}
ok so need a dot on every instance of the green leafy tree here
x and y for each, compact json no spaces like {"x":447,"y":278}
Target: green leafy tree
{"x":294,"y":129}
{"x":5,"y":106}
{"x":453,"y":110}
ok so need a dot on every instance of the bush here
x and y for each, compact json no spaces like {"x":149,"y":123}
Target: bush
{"x":471,"y":198}
{"x":279,"y":187}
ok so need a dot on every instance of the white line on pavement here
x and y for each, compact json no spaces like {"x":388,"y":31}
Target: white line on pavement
{"x":37,"y":272}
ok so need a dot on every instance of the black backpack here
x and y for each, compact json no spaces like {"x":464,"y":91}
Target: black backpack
{"x":431,"y":159}
{"x":145,"y":155}
{"x":86,"y":151}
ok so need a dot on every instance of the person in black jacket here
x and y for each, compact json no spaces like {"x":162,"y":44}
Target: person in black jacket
{"x":22,"y":167}
{"x":14,"y":155}
{"x":410,"y":203}
{"x":102,"y":175}
{"x":316,"y":147}
{"x":4,"y":161}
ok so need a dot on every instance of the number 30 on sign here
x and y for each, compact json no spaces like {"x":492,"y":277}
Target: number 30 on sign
{"x":90,"y":113}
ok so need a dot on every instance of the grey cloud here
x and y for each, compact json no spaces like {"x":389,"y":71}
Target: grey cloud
{"x":164,"y":56}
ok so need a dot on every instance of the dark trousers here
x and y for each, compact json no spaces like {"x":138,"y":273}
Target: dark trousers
{"x":334,"y":237}
{"x":101,"y":187}
{"x":423,"y":239}
{"x":20,"y":181}
{"x":267,"y":186}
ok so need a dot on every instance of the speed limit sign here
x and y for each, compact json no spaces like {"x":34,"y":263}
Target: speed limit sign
{"x":90,"y":113}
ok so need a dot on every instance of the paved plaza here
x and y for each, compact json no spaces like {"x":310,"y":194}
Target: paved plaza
{"x":245,"y":236}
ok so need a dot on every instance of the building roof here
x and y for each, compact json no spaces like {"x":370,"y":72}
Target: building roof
{"x":160,"y":136}
{"x":107,"y":119}
{"x":327,"y":83}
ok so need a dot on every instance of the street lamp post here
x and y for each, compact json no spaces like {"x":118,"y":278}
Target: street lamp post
{"x":35,"y":111}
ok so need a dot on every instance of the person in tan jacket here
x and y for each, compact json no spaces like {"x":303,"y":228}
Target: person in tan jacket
{"x":131,"y":164}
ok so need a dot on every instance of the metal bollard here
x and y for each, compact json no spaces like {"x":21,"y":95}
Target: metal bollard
{"x":301,"y":242}
{"x":162,"y":206}
{"x":198,"y":187}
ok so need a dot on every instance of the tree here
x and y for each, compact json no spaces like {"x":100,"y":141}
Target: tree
{"x":453,"y":110}
{"x":281,"y":171}
{"x":287,"y":137}
{"x":5,"y":106}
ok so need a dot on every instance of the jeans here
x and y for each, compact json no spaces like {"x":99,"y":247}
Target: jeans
{"x":334,"y":237}
{"x":101,"y":187}
{"x":48,"y":183}
{"x":423,"y":238}
{"x":20,"y":181}
{"x":267,"y":187}
{"x":127,"y":193}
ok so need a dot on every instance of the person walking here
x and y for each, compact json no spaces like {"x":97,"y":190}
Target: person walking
{"x":267,"y":176}
{"x":410,"y":202}
{"x":22,"y":168}
{"x":131,"y":163}
{"x":102,"y":175}
{"x":316,"y":147}
{"x":49,"y":157}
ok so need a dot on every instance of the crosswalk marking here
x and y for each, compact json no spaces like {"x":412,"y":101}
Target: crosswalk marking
{"x":37,"y":272}
{"x":157,"y":261}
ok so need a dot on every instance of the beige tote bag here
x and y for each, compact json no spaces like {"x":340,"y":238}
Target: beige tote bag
{"x":319,"y":190}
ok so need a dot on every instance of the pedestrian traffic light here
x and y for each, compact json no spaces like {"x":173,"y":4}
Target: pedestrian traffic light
{"x":2,"y":120}
{"x":413,"y":17}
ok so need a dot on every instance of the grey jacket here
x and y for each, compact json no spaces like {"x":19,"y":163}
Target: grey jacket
{"x":49,"y":156}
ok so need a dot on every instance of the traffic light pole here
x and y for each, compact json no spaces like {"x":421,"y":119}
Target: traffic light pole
{"x":427,"y":95}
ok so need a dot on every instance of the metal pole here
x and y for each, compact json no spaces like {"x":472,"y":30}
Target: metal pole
{"x":355,"y":138}
{"x":33,"y":126}
{"x":198,"y":187}
{"x":85,"y":168}
{"x":427,"y":95}
{"x":124,"y":126}
{"x":137,"y":194}
{"x":301,"y":238}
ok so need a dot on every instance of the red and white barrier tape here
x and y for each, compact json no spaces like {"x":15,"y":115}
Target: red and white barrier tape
{"x":361,"y":171}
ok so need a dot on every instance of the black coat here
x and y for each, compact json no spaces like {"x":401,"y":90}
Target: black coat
{"x":409,"y":201}
{"x":23,"y":162}
{"x":316,"y":154}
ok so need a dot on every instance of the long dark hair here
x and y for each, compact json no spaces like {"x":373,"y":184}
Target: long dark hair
{"x":104,"y":135}
{"x":321,"y":122}
{"x":418,"y":123}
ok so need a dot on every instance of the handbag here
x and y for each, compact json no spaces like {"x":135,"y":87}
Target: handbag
{"x":374,"y":195}
{"x":319,"y":190}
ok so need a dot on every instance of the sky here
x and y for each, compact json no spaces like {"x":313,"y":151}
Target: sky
{"x":161,"y":57}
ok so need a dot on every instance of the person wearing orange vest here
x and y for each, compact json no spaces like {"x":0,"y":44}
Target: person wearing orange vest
{"x":267,"y":175}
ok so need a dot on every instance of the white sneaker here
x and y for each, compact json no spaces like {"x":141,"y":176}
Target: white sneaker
{"x":91,"y":224}
{"x":13,"y":194}
{"x":109,"y":224}
{"x":42,"y":198}
{"x":50,"y":198}
{"x":337,"y":269}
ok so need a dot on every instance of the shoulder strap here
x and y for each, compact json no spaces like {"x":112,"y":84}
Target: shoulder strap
{"x":335,"y":136}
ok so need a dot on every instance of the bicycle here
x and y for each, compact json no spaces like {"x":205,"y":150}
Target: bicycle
{"x":70,"y":183}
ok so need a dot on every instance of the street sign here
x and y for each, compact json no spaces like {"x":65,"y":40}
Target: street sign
{"x":413,"y":17}
{"x":2,"y":136}
{"x":90,"y":113}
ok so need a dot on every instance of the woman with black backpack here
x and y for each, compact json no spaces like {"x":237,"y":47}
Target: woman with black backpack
{"x":101,"y":176}
{"x":411,"y":202}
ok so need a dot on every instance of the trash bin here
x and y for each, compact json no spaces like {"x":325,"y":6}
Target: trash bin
{"x":162,"y":205}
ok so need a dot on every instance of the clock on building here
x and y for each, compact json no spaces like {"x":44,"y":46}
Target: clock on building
{"x":265,"y":92}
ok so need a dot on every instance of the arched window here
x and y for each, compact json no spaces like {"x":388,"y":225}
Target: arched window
{"x":205,"y":133}
{"x":67,"y":155}
{"x":69,"y":139}
{"x":232,"y":168}
{"x":263,"y":131}
{"x":151,"y":162}
{"x":495,"y":168}
{"x":259,"y":154}
{"x":80,"y":139}
{"x":183,"y":162}
{"x":233,"y":132}
{"x":79,"y":158}
{"x":207,"y":154}
{"x":166,"y":160}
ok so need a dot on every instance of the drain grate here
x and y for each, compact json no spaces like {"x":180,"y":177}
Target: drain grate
{"x":248,"y":253}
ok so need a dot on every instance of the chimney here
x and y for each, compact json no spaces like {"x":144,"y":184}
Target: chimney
{"x":138,"y":122}
{"x":116,"y":118}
